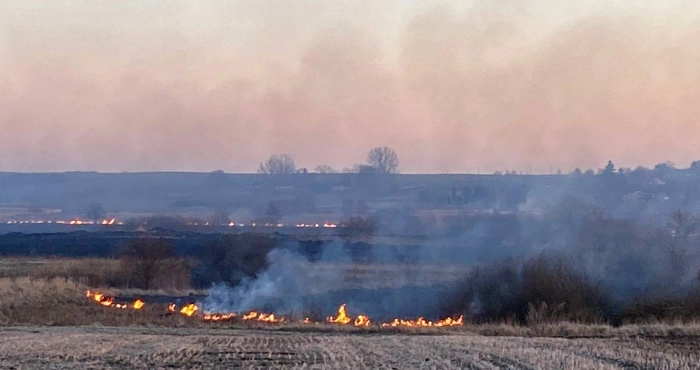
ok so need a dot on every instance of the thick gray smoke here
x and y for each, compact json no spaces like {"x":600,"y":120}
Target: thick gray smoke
{"x":388,"y":287}
{"x":626,"y":259}
{"x":281,"y":287}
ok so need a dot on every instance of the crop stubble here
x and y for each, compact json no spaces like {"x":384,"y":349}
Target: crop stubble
{"x":149,"y":348}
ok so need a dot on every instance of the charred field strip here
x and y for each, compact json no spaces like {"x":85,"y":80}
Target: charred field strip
{"x":155,"y":348}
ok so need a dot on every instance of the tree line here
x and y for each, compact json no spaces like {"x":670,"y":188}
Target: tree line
{"x":380,"y":160}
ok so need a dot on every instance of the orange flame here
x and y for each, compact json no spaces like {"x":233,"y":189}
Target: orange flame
{"x":362,"y":320}
{"x":421,"y":322}
{"x":250,"y":316}
{"x":451,"y":322}
{"x":101,"y":298}
{"x":138,"y":304}
{"x":219,"y":317}
{"x":106,"y":301}
{"x":264,"y":317}
{"x":189,"y":310}
{"x":342,"y":317}
{"x":269,"y":318}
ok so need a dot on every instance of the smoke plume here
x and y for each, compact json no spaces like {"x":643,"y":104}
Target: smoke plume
{"x":452,"y":86}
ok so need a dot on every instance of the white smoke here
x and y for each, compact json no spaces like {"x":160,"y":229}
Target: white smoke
{"x":282,"y":287}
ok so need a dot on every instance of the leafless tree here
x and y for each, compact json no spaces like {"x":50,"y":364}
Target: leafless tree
{"x":383,"y":159}
{"x":146,"y":259}
{"x":278,"y":164}
{"x":681,"y":225}
{"x":358,"y":229}
{"x":234,"y":257}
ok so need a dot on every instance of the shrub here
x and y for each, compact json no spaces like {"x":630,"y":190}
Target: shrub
{"x":234,"y":257}
{"x":542,"y":289}
{"x":151,"y":263}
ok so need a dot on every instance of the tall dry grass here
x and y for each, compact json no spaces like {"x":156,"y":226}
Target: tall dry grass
{"x":62,"y":302}
{"x":96,"y":272}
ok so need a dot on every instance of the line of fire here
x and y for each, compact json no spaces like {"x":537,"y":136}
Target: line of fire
{"x":341,"y":318}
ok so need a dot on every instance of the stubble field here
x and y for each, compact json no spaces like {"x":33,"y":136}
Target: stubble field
{"x":160,"y":348}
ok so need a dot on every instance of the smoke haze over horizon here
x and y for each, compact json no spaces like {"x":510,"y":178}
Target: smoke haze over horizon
{"x":451,"y":85}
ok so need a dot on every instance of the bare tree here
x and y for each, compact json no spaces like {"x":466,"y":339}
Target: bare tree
{"x":234,"y":257}
{"x":358,"y":229}
{"x":383,"y":159}
{"x":146,"y":259}
{"x":278,"y":164}
{"x":681,"y":225}
{"x":96,"y":212}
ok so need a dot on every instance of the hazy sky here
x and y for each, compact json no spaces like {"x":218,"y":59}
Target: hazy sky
{"x":451,"y":85}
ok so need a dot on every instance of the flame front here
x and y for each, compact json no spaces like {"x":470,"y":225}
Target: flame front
{"x":189,"y":310}
{"x":342,"y":317}
{"x":263,"y":317}
{"x":421,"y":322}
{"x":219,"y":317}
{"x":252,"y":315}
{"x":106,"y":301}
{"x":102,"y":299}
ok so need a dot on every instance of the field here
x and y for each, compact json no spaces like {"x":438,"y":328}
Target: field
{"x":46,"y":322}
{"x":148,"y":348}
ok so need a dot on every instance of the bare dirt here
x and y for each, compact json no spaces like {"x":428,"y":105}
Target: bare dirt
{"x":184,"y":348}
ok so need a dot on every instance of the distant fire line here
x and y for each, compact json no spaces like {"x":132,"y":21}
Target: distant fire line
{"x":77,"y":221}
{"x":112,"y":221}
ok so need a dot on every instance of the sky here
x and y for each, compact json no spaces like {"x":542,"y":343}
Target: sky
{"x":452,"y":86}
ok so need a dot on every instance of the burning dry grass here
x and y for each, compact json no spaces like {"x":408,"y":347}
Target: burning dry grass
{"x":63,"y":302}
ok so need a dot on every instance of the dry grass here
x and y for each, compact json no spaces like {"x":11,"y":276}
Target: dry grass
{"x":62,"y":302}
{"x":108,"y":273}
{"x":378,"y":276}
{"x":95,"y":272}
{"x":91,"y":272}
{"x":92,"y":336}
